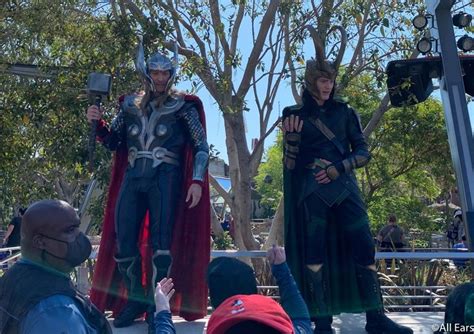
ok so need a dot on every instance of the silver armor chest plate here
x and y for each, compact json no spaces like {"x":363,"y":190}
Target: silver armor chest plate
{"x":147,"y":135}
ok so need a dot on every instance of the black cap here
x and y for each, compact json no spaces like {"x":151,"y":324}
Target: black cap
{"x":227,"y":277}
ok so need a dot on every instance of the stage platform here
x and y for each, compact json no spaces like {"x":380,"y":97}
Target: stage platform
{"x":420,"y":322}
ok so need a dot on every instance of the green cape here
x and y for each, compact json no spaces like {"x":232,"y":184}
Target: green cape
{"x":339,"y":267}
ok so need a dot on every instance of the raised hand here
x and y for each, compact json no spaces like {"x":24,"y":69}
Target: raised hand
{"x":163,"y":293}
{"x":292,"y":124}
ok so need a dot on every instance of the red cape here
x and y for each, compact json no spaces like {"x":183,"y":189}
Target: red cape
{"x":190,"y":247}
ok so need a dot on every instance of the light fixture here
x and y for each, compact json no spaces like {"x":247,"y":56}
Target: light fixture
{"x":424,"y":45}
{"x":462,"y":19}
{"x":420,"y":21}
{"x":466,"y":43}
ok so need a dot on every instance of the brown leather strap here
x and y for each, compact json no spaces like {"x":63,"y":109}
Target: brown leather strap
{"x":327,"y":133}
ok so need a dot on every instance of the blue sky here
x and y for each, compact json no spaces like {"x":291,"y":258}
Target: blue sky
{"x":215,"y":122}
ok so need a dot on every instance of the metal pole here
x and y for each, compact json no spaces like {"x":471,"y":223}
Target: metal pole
{"x":458,"y":124}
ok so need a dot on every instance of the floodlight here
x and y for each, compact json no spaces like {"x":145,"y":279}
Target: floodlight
{"x":420,"y":21}
{"x":409,"y":80}
{"x":466,"y":43}
{"x":424,"y":45}
{"x":462,"y":20}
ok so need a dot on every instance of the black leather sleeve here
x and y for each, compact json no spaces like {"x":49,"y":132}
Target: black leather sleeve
{"x":117,"y":133}
{"x":360,"y":155}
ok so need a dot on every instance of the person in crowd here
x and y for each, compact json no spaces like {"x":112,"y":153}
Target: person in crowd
{"x":455,"y":228}
{"x":461,"y":246}
{"x":157,"y":220}
{"x":37,"y":295}
{"x":391,"y":237}
{"x":163,"y":318}
{"x":12,"y":236}
{"x":226,"y":222}
{"x":238,"y":307}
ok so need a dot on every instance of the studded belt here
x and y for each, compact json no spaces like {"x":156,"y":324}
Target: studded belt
{"x":158,"y":155}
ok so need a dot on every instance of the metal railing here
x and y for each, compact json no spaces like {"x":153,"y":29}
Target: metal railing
{"x":436,"y":295}
{"x":11,"y":254}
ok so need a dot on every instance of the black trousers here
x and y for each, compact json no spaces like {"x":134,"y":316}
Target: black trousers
{"x":160,"y":196}
{"x":351,"y":214}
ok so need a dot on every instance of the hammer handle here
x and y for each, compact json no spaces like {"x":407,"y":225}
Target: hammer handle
{"x":92,"y":135}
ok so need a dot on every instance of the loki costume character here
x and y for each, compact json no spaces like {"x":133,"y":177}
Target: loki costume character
{"x":329,"y":245}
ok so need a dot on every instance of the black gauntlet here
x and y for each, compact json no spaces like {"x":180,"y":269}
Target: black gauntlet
{"x":292,"y":142}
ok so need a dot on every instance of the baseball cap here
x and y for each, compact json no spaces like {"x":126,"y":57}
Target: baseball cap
{"x":243,"y":308}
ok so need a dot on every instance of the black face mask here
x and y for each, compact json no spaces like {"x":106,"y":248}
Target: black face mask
{"x":77,"y":251}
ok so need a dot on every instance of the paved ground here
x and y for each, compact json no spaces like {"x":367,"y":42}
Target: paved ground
{"x":420,"y":322}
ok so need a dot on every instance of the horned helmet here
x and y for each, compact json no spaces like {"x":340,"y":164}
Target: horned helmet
{"x":321,"y":67}
{"x":157,"y":61}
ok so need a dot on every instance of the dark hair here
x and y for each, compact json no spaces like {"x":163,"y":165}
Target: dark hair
{"x":251,"y":327}
{"x":227,"y":277}
{"x":463,"y":238}
{"x":392,"y":218}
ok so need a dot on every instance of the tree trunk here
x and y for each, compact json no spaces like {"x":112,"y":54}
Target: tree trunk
{"x":215,"y":224}
{"x":239,"y":163}
{"x":276,"y":235}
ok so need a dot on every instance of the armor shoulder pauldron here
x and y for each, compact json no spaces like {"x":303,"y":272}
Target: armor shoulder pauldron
{"x":131,"y":104}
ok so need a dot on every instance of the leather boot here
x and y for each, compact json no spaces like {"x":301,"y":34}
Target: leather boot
{"x":130,"y":268}
{"x":319,"y":295}
{"x":322,"y":325}
{"x":377,"y":321}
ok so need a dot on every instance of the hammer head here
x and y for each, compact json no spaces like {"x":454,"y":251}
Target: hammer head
{"x":99,"y":84}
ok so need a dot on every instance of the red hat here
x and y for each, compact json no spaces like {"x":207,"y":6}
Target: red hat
{"x":256,"y":308}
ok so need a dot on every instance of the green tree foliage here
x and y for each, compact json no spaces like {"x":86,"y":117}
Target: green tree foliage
{"x":411,"y":165}
{"x":43,"y":128}
{"x":270,"y":176}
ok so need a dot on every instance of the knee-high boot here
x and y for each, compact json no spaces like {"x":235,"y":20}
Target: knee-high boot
{"x":377,"y":321}
{"x":319,"y":295}
{"x":130,"y":268}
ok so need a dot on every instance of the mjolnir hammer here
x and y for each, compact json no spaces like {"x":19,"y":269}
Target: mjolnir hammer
{"x":98,"y":86}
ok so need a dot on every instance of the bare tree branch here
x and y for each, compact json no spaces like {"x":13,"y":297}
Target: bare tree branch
{"x":175,"y":15}
{"x":203,"y":71}
{"x":215,"y":55}
{"x":113,"y":5}
{"x":377,"y":116}
{"x":221,"y":191}
{"x":137,"y":13}
{"x":123,"y":10}
{"x":257,"y":49}
{"x":218,"y":26}
{"x":235,"y":30}
{"x":336,"y":6}
{"x":291,"y":67}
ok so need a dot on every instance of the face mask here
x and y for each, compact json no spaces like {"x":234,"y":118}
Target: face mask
{"x":77,"y":251}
